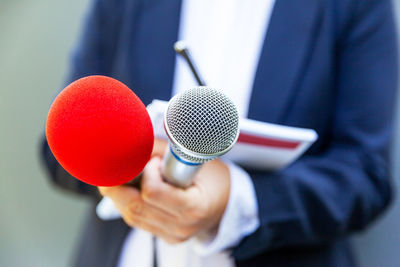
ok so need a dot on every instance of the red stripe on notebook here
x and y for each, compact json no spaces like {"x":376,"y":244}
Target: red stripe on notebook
{"x":265,"y":141}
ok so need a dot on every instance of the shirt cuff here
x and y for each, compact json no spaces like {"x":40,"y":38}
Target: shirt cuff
{"x":240,"y":217}
{"x":106,"y":210}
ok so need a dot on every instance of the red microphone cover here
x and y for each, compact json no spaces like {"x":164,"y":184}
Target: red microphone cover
{"x":100,"y":131}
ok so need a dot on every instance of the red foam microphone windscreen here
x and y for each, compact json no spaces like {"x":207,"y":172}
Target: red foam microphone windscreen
{"x":100,"y":131}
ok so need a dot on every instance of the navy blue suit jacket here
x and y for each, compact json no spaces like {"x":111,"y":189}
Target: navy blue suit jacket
{"x":327,"y":65}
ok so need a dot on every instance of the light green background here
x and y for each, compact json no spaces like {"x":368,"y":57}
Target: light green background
{"x":38,"y":224}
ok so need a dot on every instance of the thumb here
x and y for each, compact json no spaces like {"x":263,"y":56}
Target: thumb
{"x":121,"y":195}
{"x":157,"y":192}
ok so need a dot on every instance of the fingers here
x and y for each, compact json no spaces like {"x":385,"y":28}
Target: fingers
{"x":121,"y":195}
{"x":161,"y":194}
{"x":129,"y":202}
{"x":159,"y":147}
{"x":137,"y":213}
{"x":162,"y":226}
{"x":158,"y":231}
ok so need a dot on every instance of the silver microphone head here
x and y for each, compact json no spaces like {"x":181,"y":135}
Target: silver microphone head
{"x":202,"y":124}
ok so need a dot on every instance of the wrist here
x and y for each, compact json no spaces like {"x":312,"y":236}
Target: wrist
{"x":219,"y":196}
{"x":240,"y":216}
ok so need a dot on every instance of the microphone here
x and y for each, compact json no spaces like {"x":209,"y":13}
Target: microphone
{"x":99,"y":131}
{"x":202,"y":124}
{"x":181,"y":48}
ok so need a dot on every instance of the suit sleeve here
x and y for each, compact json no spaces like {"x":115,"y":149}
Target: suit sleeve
{"x":343,"y":188}
{"x":93,"y":55}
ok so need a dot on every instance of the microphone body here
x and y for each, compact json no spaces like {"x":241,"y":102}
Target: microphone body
{"x":202,"y":124}
{"x":177,"y":171}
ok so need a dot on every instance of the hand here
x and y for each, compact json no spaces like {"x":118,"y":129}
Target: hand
{"x":171,"y":213}
{"x":159,"y":147}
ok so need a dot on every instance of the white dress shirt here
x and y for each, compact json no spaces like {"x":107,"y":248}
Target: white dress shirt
{"x":225,"y":38}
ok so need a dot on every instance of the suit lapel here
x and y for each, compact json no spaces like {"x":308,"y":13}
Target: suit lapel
{"x":156,"y":31}
{"x":288,"y":41}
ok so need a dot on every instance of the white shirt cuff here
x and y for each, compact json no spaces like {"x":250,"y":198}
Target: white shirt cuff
{"x":106,"y":210}
{"x":240,"y":217}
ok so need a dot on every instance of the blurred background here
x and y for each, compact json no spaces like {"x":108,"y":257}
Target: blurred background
{"x":38,"y":224}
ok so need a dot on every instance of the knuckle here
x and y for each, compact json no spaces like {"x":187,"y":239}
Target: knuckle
{"x":136,"y":208}
{"x":149,"y":192}
{"x":174,"y":240}
{"x":197,"y":214}
{"x":130,"y":220}
{"x":183,"y":239}
{"x":184,"y":233}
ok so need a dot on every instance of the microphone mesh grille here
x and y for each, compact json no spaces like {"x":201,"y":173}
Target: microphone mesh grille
{"x":203,"y":120}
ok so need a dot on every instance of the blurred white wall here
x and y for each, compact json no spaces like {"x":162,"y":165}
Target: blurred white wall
{"x":39,"y":225}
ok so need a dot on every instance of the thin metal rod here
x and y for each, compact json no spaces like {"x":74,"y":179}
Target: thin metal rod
{"x":155,"y":261}
{"x":181,"y":48}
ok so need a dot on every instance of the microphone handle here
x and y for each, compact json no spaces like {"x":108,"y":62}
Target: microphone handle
{"x":177,"y":171}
